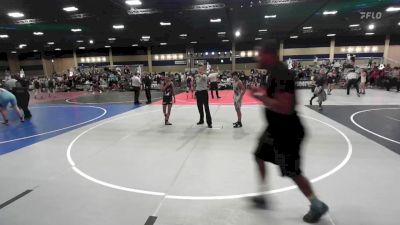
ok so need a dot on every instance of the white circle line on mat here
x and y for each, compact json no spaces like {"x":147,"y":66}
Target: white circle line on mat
{"x":369,"y":131}
{"x":61,"y":129}
{"x":220,"y":197}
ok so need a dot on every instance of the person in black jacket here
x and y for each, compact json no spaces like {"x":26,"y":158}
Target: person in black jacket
{"x":21,"y":92}
{"x":147,"y":87}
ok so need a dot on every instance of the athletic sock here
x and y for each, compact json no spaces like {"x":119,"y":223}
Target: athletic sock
{"x":315,"y":202}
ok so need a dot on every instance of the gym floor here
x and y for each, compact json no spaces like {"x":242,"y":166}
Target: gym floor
{"x":97,"y":159}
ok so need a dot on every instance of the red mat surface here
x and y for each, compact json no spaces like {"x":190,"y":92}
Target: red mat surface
{"x":226,"y":99}
{"x":44,"y":97}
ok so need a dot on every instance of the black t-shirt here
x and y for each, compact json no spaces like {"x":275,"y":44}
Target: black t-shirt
{"x":282,"y":125}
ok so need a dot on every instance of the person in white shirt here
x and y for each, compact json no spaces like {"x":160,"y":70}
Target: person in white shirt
{"x":136,"y":84}
{"x":213,"y":78}
{"x":363,"y":81}
{"x":202,"y":97}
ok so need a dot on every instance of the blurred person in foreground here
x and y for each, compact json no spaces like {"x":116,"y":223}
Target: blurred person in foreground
{"x":280,"y":143}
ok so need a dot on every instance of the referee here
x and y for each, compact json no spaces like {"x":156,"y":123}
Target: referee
{"x":202,"y":97}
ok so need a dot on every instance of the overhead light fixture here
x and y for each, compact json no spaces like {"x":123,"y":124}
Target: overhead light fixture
{"x":13,"y":52}
{"x":118,"y":27}
{"x":237,"y":33}
{"x":70,"y":9}
{"x":369,"y":34}
{"x":398,"y":24}
{"x":193,"y":42}
{"x":57,"y":49}
{"x":294,"y":37}
{"x":38,"y":33}
{"x":163,"y":43}
{"x":217,"y":20}
{"x":112,"y":39}
{"x":393,"y":9}
{"x":183,"y":35}
{"x":3,"y":36}
{"x":135,"y":45}
{"x":307,"y":28}
{"x":212,"y":53}
{"x":354,"y":25}
{"x":145,"y":37}
{"x":257,"y":38}
{"x":91,"y":41}
{"x":50,"y":43}
{"x":262,"y":30}
{"x":133,"y":2}
{"x":82,"y":48}
{"x":221,"y":33}
{"x":225,"y":40}
{"x":79,"y":41}
{"x":76,"y":29}
{"x":35,"y":50}
{"x":107,"y":46}
{"x":206,"y":53}
{"x":330,"y":12}
{"x":22,"y":45}
{"x":165,"y":23}
{"x":15,"y":14}
{"x":331,"y":35}
{"x":371,"y":26}
{"x":270,"y":16}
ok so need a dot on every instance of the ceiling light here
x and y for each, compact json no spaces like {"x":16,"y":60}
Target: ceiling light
{"x":57,"y":49}
{"x":22,"y":45}
{"x":135,"y":45}
{"x":398,"y":24}
{"x":76,"y":29}
{"x":393,"y":9}
{"x":237,"y":33}
{"x":218,"y":20}
{"x":82,"y":48}
{"x":371,"y":27}
{"x":331,"y":35}
{"x":225,"y":40}
{"x":3,"y":36}
{"x":133,"y":2}
{"x":258,"y":39}
{"x":163,"y":43}
{"x":354,"y":25}
{"x":35,"y":50}
{"x":307,"y":28}
{"x":269,"y":16}
{"x":14,"y":52}
{"x":263,"y":30}
{"x":330,"y":12}
{"x":112,"y":39}
{"x":38,"y":33}
{"x":15,"y":14}
{"x":183,"y":35}
{"x":193,"y":42}
{"x":206,"y":53}
{"x":369,"y":34}
{"x":118,"y":27}
{"x":50,"y":43}
{"x":212,"y":53}
{"x":107,"y":46}
{"x":221,"y":33}
{"x":70,"y":9}
{"x":91,"y":41}
{"x":145,"y":37}
{"x":294,"y":37}
{"x":79,"y":41}
{"x":165,"y":23}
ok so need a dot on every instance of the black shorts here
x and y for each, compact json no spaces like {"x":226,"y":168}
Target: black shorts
{"x":285,"y":153}
{"x":167,"y":100}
